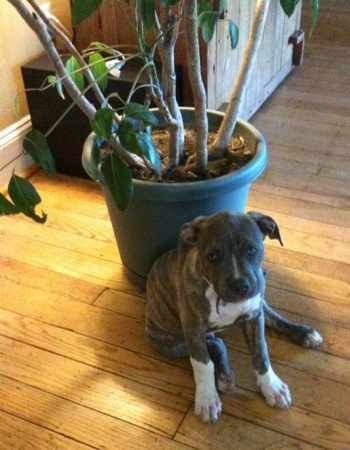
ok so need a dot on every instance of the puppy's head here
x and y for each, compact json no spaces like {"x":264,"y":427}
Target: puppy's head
{"x":229,"y":247}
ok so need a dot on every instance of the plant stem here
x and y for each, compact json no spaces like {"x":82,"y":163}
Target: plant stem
{"x":147,"y":51}
{"x":72,"y":50}
{"x":235,"y":103}
{"x":197,"y":85}
{"x":167,"y":55}
{"x":40,"y":29}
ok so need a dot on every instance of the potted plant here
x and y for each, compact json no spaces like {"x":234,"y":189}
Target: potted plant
{"x":121,"y":153}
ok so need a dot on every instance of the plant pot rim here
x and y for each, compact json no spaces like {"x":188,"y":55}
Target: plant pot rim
{"x":175,"y":191}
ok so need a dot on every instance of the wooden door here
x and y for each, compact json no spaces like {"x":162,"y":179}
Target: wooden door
{"x":273,"y":63}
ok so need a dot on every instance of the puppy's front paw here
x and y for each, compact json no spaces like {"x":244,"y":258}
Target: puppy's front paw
{"x":275,"y":391}
{"x":208,"y":406}
{"x":207,"y":401}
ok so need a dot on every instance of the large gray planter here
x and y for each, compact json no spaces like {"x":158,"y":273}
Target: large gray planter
{"x":151,"y":223}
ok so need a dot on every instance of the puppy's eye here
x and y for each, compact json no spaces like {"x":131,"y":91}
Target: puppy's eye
{"x":214,"y":256}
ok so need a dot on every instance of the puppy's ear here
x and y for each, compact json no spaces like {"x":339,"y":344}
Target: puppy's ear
{"x":267,"y":225}
{"x":189,"y":232}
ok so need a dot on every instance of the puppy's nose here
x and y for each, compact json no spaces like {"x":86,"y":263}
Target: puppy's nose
{"x":239,"y":287}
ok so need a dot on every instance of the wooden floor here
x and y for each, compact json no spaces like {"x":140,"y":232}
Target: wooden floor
{"x":75,"y":370}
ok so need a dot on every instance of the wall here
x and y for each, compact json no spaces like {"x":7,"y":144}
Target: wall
{"x":18,"y":46}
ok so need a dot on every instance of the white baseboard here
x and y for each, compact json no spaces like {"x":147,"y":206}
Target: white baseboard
{"x":12,"y":157}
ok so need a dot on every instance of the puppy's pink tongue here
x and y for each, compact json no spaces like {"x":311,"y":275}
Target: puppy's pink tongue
{"x":219,"y":302}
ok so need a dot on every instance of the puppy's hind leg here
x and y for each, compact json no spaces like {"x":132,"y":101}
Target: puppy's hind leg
{"x":224,"y":376}
{"x":299,"y":333}
{"x":167,"y":344}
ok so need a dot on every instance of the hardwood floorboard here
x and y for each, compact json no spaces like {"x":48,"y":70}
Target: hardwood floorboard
{"x":94,"y":388}
{"x":245,"y":434}
{"x":85,"y":423}
{"x":19,"y":433}
{"x":75,"y":369}
{"x":45,"y":280}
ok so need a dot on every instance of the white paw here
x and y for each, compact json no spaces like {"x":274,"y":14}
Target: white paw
{"x":313,"y":339}
{"x":207,"y":401}
{"x":275,"y":391}
{"x":208,"y":406}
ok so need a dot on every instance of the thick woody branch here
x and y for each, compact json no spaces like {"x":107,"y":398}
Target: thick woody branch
{"x":71,"y":49}
{"x":40,"y":29}
{"x":235,"y":103}
{"x":167,"y":55}
{"x":197,"y":85}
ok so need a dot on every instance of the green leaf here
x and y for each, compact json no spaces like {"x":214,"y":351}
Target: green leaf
{"x":54,"y":81}
{"x":103,"y":48}
{"x":149,"y":150}
{"x":140,"y":112}
{"x":25,"y":198}
{"x":211,"y":6}
{"x":103,"y":122}
{"x":36,"y":145}
{"x":207,"y":23}
{"x":222,"y":5}
{"x":288,"y":6}
{"x":314,"y":15}
{"x":128,"y":138}
{"x":59,"y":87}
{"x":204,"y":6}
{"x":82,"y":9}
{"x":118,"y":179}
{"x":99,"y":69}
{"x":6,"y":207}
{"x":148,"y":8}
{"x":234,"y":34}
{"x":74,"y":69}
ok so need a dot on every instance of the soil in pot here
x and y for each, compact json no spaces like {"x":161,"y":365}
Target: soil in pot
{"x":237,"y":155}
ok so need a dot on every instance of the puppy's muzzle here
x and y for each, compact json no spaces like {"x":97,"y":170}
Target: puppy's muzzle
{"x":236,"y":289}
{"x":239,"y":287}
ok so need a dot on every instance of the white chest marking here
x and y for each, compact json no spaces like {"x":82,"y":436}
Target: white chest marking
{"x":222,"y":315}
